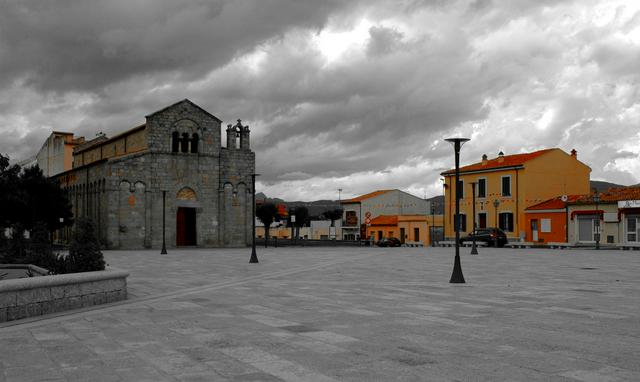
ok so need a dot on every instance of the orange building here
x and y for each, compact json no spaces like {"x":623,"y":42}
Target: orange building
{"x":410,"y":229}
{"x":509,"y":184}
{"x":548,"y":222}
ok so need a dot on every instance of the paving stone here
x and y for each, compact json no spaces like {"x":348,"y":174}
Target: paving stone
{"x":347,"y":314}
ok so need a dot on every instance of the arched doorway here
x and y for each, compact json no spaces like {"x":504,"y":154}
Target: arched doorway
{"x":186,"y":228}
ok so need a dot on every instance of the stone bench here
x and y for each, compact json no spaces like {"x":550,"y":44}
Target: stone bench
{"x":36,"y":296}
{"x":413,"y":244}
{"x":559,"y":245}
{"x":446,"y":243}
{"x":630,"y":247}
{"x":519,"y":244}
{"x":470,"y":244}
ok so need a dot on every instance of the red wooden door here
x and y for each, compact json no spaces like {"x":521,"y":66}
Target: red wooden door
{"x":181,"y":228}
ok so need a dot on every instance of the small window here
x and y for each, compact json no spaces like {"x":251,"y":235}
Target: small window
{"x":194,"y":143}
{"x":505,"y":220}
{"x":463,"y":222}
{"x":460,"y":189}
{"x":482,"y":188}
{"x":545,"y":225}
{"x":175,"y":142}
{"x":506,"y":186}
{"x":184,"y":143}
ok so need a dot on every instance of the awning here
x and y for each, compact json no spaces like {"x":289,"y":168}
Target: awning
{"x":628,"y":211}
{"x":587,"y":212}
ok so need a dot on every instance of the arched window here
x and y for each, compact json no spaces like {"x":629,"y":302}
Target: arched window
{"x":184,"y":143}
{"x":194,"y":143}
{"x":175,"y":142}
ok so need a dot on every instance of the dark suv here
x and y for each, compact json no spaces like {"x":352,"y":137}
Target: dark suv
{"x":389,"y":242}
{"x":492,"y":236}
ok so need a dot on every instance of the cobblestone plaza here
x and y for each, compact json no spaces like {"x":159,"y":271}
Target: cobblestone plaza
{"x":346,"y":314}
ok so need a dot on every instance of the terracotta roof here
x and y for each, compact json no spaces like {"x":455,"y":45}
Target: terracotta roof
{"x":496,"y":163}
{"x":554,"y":203}
{"x":385,"y":220}
{"x":613,"y":195}
{"x":365,"y":196}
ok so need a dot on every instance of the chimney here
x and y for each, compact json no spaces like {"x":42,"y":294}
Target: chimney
{"x":574,"y":154}
{"x":485,"y":159}
{"x":500,"y":157}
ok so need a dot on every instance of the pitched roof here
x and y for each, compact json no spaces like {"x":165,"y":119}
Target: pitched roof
{"x":613,"y":195}
{"x":365,"y":196}
{"x":187,"y":101}
{"x":385,"y":220}
{"x":554,"y":203}
{"x":500,"y":162}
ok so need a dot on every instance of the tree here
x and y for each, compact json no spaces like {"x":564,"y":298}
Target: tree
{"x":84,"y":252}
{"x":12,"y":204}
{"x":28,"y":197}
{"x":45,"y":200}
{"x":302,"y":217}
{"x":266,"y":213}
{"x":333,"y":215}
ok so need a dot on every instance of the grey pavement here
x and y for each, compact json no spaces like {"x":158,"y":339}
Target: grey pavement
{"x":346,"y":314}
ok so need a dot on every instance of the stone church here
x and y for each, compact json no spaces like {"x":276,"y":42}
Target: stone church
{"x":176,"y":160}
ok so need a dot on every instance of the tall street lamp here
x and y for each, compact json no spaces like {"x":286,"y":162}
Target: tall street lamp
{"x":164,"y":243}
{"x":496,"y":203}
{"x":457,"y":277}
{"x":474,"y":249}
{"x":596,"y":199}
{"x":254,"y":256}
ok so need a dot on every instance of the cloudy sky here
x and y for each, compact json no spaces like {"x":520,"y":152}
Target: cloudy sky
{"x":348,"y":94}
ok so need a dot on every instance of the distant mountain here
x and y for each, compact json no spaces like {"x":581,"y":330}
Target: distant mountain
{"x":602,"y":186}
{"x":316,"y":208}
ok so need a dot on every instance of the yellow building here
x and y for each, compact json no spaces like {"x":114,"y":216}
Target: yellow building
{"x":508,"y":184}
{"x":56,"y":154}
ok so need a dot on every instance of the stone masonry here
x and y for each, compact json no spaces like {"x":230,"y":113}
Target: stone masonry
{"x":182,"y":156}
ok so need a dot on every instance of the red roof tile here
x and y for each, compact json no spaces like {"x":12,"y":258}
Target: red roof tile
{"x":613,"y":195}
{"x":385,"y":220}
{"x":554,"y":203}
{"x":505,"y":161}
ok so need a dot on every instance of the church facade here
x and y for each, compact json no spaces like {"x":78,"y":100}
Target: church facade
{"x":172,"y":168}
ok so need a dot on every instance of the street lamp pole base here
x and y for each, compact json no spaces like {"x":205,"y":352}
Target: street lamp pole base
{"x":474,"y":249}
{"x":457,"y":277}
{"x":164,"y":250}
{"x":254,"y":257}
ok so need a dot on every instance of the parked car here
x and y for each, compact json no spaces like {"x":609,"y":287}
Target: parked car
{"x":388,"y":242}
{"x":492,"y":236}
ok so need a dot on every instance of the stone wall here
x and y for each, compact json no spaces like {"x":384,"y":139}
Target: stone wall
{"x":35,"y":296}
{"x":124,"y":194}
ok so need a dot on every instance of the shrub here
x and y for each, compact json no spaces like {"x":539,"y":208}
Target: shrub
{"x":40,"y":252}
{"x":84,"y":252}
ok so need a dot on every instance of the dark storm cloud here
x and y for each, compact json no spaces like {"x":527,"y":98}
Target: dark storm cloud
{"x":355,"y":95}
{"x":85,"y":45}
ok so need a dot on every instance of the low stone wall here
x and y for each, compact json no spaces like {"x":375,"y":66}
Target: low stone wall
{"x":35,"y":296}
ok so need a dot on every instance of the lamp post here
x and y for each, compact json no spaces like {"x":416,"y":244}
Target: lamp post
{"x":164,"y":243}
{"x":596,"y":199}
{"x":254,"y":256}
{"x":496,"y":203}
{"x":433,"y":225}
{"x":457,"y":277}
{"x":474,"y":249}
